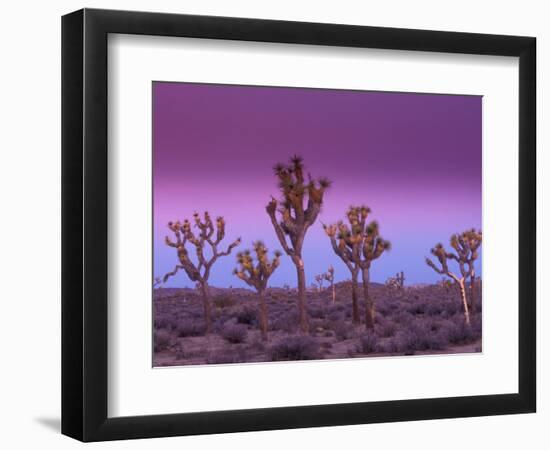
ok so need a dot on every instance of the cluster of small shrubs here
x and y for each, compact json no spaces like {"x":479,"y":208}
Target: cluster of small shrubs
{"x":188,"y":327}
{"x":285,"y":320}
{"x":224,"y":301}
{"x":162,"y":340}
{"x":342,"y":330}
{"x":247,"y":316}
{"x":295,"y":348}
{"x":418,"y":320}
{"x":367,"y":343}
{"x":235,"y":334}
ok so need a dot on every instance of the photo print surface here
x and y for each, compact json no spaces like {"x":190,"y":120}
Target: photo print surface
{"x":307,"y":224}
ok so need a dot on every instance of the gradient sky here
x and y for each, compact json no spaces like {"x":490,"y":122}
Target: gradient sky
{"x":414,"y":159}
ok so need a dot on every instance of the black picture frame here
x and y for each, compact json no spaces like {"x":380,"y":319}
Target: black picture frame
{"x":84,"y":224}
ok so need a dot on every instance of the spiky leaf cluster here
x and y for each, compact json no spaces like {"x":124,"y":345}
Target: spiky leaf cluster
{"x":357,"y":242}
{"x":442,"y":256}
{"x":299,"y":205}
{"x":466,"y":246}
{"x":255,"y":267}
{"x":329,"y":275}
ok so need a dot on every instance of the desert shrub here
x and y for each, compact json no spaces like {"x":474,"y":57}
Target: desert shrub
{"x":386,"y":328}
{"x":395,"y":344}
{"x":403,"y":318}
{"x":458,"y":333}
{"x":367,"y":343}
{"x":286,"y":321}
{"x":223,"y":301}
{"x":294,"y":348}
{"x":165,"y":321}
{"x":342,"y":330}
{"x":386,"y":307}
{"x":476,"y":325}
{"x":452,"y":308}
{"x":421,"y":336}
{"x":335,"y":316}
{"x":247,"y":316}
{"x":190,"y":327}
{"x":434,"y":308}
{"x":417,"y":308}
{"x":257,"y":345}
{"x":235,"y":334}
{"x":318,"y":325}
{"x":162,"y":340}
{"x":316,"y":312}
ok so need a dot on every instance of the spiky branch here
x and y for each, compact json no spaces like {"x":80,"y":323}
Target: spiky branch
{"x":293,"y":215}
{"x":207,"y":237}
{"x":256,"y":274}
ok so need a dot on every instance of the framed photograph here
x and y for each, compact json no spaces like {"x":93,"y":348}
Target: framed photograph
{"x":273,"y":224}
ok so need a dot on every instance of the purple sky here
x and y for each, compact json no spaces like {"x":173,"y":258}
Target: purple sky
{"x":415,"y":159}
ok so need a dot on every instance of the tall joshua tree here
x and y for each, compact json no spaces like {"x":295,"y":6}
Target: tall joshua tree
{"x":329,"y":276}
{"x":357,"y":245}
{"x":256,"y":275}
{"x":291,"y":217}
{"x":466,"y":246}
{"x":443,"y":257}
{"x":207,"y":236}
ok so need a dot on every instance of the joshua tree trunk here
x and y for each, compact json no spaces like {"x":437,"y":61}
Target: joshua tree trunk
{"x":302,"y":301}
{"x":355,"y":299}
{"x":461,"y":285}
{"x":207,"y":307}
{"x":263,"y":315}
{"x":333,"y":293}
{"x":472,"y":292}
{"x":369,"y":305}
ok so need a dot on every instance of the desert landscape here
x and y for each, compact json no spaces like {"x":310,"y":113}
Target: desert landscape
{"x":365,"y":243}
{"x":413,"y":320}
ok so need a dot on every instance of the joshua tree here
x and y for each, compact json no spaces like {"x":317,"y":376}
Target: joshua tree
{"x":400,"y":277}
{"x":344,"y":246}
{"x":319,"y":279}
{"x":257,"y":275}
{"x":207,"y":236}
{"x":358,"y":244}
{"x":329,"y":276}
{"x":466,"y":245}
{"x":396,"y":283}
{"x":443,"y":256}
{"x":291,"y":217}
